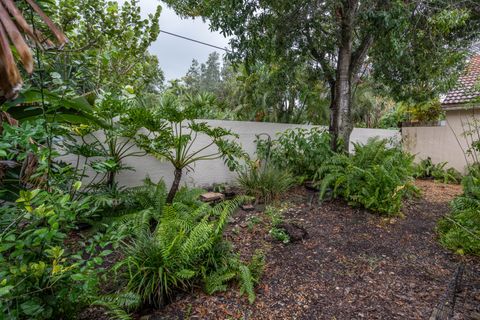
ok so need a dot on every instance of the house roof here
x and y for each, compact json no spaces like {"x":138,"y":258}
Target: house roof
{"x":466,"y":90}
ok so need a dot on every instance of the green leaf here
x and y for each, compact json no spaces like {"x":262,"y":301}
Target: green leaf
{"x":31,"y":308}
{"x":5,"y":290}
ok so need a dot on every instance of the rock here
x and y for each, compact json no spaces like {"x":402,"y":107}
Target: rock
{"x":294,"y":231}
{"x":211,"y":196}
{"x":247,"y":207}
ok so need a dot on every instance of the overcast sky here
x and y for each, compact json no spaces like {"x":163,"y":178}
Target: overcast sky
{"x":174,"y":54}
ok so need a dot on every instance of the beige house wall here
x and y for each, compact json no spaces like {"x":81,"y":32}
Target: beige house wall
{"x":443,"y":143}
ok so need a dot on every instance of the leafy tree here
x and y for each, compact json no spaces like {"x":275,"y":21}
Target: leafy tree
{"x":108,"y":47}
{"x":264,"y":93}
{"x":192,"y":77}
{"x":370,"y":105}
{"x":413,"y":46}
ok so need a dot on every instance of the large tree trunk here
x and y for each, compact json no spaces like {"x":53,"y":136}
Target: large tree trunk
{"x":175,"y":185}
{"x":341,"y":125}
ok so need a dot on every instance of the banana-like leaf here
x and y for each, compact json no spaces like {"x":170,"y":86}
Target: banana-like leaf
{"x":75,"y":110}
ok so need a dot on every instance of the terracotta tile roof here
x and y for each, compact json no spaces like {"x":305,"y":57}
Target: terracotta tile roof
{"x":467,"y":89}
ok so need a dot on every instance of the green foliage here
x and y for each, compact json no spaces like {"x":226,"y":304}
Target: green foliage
{"x":416,"y":53}
{"x":186,"y":248}
{"x":279,"y":234}
{"x":103,"y":149}
{"x":276,"y":218}
{"x":371,"y":107}
{"x":460,"y":231}
{"x":33,"y":104}
{"x":261,"y":92}
{"x":41,"y":279}
{"x":300,"y":151}
{"x":173,"y":132}
{"x":265,"y":183}
{"x":108,"y":46}
{"x":376,"y":176}
{"x":427,"y":169}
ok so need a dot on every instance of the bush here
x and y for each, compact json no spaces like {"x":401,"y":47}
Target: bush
{"x":266,"y":183}
{"x":376,"y":177}
{"x":426,"y":169}
{"x":40,"y":277}
{"x":299,"y":151}
{"x":186,"y":248}
{"x":460,"y":231}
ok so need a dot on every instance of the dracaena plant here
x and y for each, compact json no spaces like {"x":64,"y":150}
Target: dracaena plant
{"x":173,"y":135}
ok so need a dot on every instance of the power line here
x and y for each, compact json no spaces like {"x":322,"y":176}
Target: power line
{"x":193,"y":40}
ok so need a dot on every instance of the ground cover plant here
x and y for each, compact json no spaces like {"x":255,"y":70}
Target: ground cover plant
{"x":185,"y":248}
{"x":377,"y":176}
{"x":460,"y":230}
{"x":426,"y":169}
{"x":42,"y":277}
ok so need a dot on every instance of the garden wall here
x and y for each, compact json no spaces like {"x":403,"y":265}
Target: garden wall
{"x":441,"y":143}
{"x":206,"y":173}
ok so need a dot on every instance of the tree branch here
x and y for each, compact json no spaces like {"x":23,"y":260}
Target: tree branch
{"x":359,"y":55}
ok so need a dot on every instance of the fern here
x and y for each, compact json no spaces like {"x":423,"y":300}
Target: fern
{"x":376,"y":177}
{"x":216,"y":281}
{"x":186,"y":248}
{"x":246,"y":282}
{"x":119,"y":305}
{"x":460,"y":231}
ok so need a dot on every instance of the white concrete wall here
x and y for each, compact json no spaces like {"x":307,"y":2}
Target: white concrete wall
{"x":205,"y":173}
{"x":442,"y":143}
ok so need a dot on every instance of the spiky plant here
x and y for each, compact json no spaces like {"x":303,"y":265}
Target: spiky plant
{"x":265,"y":183}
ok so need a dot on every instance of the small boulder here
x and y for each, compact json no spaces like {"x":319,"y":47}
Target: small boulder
{"x":294,"y":231}
{"x":212,"y":196}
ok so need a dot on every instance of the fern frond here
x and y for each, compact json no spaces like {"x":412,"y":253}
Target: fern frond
{"x":246,"y":282}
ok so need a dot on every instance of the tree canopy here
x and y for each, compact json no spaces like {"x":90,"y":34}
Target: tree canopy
{"x":414,"y":47}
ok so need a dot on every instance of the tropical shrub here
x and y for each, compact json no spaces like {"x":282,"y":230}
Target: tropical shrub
{"x":265,"y":183}
{"x":103,"y":145}
{"x":173,"y":130}
{"x":426,"y":169}
{"x":23,"y":157}
{"x":186,"y":248}
{"x":40,"y":277}
{"x":377,"y":176}
{"x":460,"y":231}
{"x":300,"y":151}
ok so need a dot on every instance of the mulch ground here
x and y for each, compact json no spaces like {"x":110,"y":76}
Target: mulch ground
{"x":353,"y":265}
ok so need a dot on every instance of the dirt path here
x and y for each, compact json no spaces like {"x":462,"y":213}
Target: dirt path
{"x":354,"y":265}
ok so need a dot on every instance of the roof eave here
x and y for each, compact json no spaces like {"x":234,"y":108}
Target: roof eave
{"x":461,"y":106}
